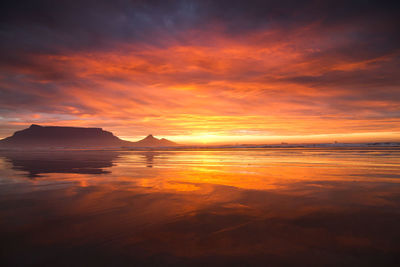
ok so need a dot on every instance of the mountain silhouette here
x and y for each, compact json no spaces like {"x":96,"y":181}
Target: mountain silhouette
{"x":37,"y":136}
{"x":151,"y":141}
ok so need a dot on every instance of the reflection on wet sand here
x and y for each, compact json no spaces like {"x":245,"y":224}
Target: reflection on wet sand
{"x":84,"y":162}
{"x":150,"y":157}
{"x":238,"y":207}
{"x":37,"y":163}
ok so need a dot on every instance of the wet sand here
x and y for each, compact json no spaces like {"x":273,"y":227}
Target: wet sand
{"x":240,"y":207}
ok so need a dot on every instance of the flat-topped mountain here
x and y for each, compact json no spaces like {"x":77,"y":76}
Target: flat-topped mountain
{"x":37,"y":136}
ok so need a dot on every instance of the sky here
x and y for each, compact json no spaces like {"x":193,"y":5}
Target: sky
{"x":204,"y":72}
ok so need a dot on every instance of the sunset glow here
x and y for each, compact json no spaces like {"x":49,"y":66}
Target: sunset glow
{"x":186,"y":72}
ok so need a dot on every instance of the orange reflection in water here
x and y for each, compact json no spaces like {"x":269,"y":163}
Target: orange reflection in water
{"x":229,"y":206}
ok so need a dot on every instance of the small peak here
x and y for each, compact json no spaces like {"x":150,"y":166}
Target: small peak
{"x":35,"y":126}
{"x":150,"y":136}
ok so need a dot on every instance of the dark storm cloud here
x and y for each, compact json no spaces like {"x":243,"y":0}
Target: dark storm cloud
{"x":47,"y":26}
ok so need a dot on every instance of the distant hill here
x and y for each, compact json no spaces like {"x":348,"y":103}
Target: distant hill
{"x":37,"y":136}
{"x":151,"y":141}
